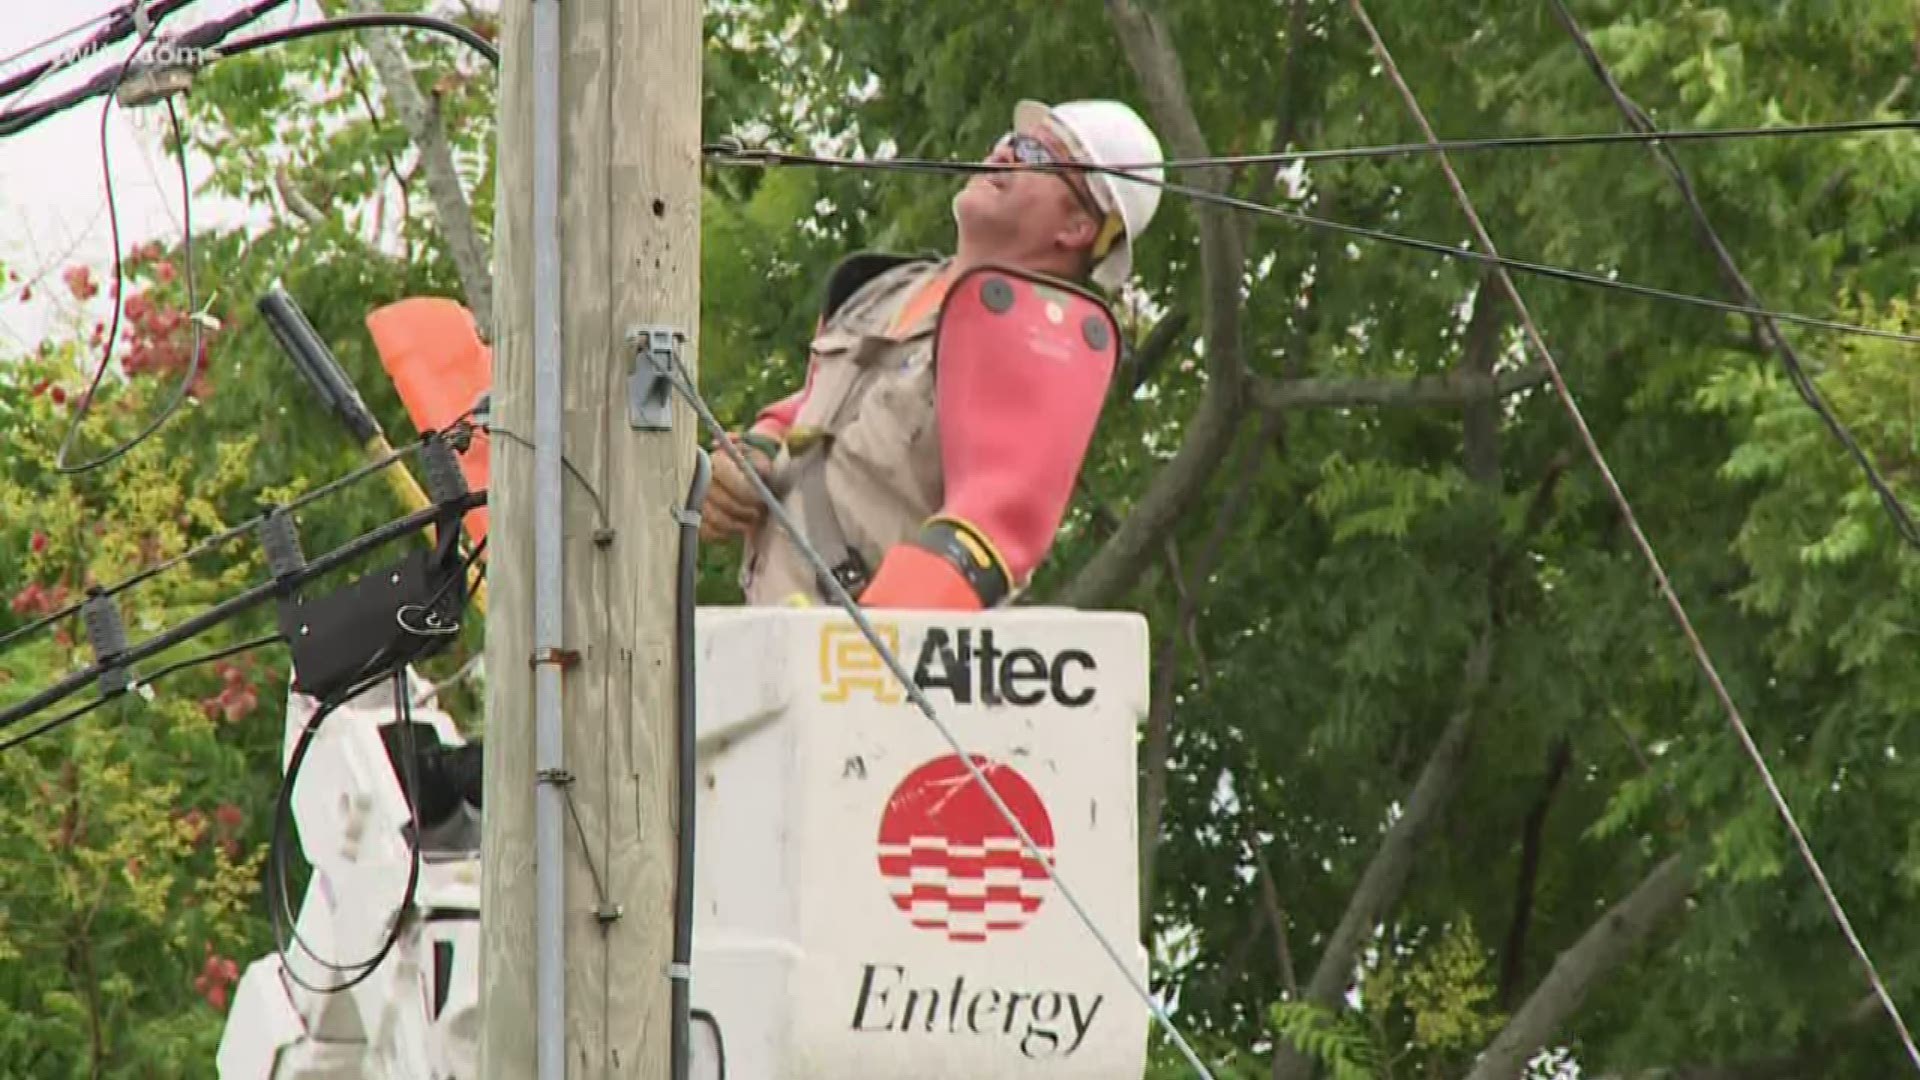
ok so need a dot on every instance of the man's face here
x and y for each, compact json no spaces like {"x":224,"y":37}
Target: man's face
{"x":1028,"y":211}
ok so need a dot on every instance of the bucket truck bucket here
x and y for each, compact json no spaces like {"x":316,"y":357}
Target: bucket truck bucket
{"x":862,"y":907}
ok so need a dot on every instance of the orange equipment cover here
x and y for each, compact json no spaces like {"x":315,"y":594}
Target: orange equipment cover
{"x":433,"y":353}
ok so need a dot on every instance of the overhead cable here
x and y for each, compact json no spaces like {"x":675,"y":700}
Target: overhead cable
{"x":1355,"y":153}
{"x":340,"y":23}
{"x":201,"y":38}
{"x":121,"y":24}
{"x":195,"y":358}
{"x":50,"y":39}
{"x":252,"y":597}
{"x":1433,"y":247}
{"x":1694,"y":641}
{"x":138,"y":686}
{"x":223,"y":538}
{"x":1741,"y":288}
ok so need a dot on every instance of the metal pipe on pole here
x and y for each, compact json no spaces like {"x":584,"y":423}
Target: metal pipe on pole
{"x":549,"y":582}
{"x":597,"y":264}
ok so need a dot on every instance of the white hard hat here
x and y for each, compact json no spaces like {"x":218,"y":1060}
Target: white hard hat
{"x":1107,"y":133}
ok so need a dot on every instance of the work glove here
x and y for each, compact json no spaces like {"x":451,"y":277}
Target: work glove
{"x":733,"y":506}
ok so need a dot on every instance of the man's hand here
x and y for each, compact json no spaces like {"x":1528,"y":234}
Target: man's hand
{"x":733,"y":507}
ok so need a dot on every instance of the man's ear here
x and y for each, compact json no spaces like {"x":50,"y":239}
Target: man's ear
{"x":1079,"y":233}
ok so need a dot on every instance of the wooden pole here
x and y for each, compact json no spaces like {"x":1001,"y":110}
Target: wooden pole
{"x":628,"y":216}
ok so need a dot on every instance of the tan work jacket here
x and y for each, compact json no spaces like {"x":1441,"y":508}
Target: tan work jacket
{"x":873,"y":398}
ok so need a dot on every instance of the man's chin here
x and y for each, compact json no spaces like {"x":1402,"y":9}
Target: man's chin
{"x":975,"y":201}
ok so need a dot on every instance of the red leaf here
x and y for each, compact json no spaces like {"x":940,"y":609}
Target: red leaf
{"x":80,"y":280}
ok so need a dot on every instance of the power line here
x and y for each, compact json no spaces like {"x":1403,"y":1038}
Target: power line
{"x":53,"y":39}
{"x":1433,"y":247}
{"x":208,"y":37}
{"x":192,"y":366}
{"x":342,"y":23}
{"x":683,"y":384}
{"x":202,"y":37}
{"x":123,"y":23}
{"x":1354,"y":153}
{"x":1742,"y":290}
{"x":1640,"y":539}
{"x":223,"y":538}
{"x":135,"y":686}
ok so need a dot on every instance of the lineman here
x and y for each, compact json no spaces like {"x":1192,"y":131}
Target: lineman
{"x":948,"y":403}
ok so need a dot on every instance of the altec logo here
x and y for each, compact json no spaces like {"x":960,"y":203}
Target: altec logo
{"x":967,"y":664}
{"x":952,"y":863}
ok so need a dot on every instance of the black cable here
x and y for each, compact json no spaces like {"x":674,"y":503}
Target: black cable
{"x":393,"y":661}
{"x":286,"y":930}
{"x":719,"y":1042}
{"x":440,"y":594}
{"x":1433,"y":247}
{"x":598,"y":505}
{"x":220,"y":539}
{"x":234,"y":606}
{"x":16,"y":81}
{"x":751,"y":155}
{"x":343,"y":23}
{"x":205,"y":658}
{"x":122,"y":24}
{"x":1789,"y":356}
{"x":685,"y":651}
{"x":60,"y":721}
{"x":202,"y":37}
{"x":192,"y":367}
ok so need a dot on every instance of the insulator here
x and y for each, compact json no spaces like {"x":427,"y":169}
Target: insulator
{"x":281,"y":540}
{"x":443,"y":479}
{"x":107,"y":633}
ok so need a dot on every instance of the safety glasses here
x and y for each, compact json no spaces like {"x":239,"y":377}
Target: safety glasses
{"x":1030,"y":150}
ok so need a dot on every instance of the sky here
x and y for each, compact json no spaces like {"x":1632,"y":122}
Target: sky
{"x":53,"y":197}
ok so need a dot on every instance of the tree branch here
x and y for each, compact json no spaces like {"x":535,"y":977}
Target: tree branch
{"x":1166,"y":662}
{"x":1513,"y":954}
{"x":1454,"y":388}
{"x":1156,"y":348}
{"x":1270,"y":900}
{"x":1386,"y":874}
{"x":297,"y":203}
{"x":1287,"y":123}
{"x":1119,"y":562}
{"x":358,"y":82}
{"x":422,"y":122}
{"x":1607,"y":943}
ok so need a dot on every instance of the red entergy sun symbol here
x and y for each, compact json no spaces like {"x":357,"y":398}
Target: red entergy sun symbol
{"x":952,"y":862}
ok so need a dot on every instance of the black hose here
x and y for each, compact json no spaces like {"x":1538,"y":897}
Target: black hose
{"x":683,"y":636}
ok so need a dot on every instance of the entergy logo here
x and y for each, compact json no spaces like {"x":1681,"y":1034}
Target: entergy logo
{"x":952,"y":862}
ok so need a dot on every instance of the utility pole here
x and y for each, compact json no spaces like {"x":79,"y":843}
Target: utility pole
{"x":598,"y":233}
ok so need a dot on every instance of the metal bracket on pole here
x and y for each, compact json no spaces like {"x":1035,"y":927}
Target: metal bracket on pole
{"x":656,"y":349}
